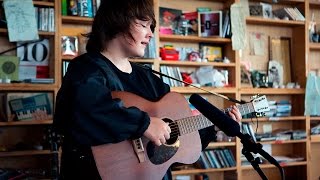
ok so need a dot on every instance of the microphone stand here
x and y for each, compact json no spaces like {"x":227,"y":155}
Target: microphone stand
{"x":250,"y":146}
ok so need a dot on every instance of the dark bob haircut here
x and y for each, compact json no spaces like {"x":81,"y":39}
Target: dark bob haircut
{"x":114,"y":17}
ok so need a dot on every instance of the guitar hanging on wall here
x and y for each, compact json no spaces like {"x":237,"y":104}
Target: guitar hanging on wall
{"x":140,"y":158}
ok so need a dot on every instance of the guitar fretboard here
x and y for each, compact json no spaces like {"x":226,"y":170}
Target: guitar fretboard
{"x":194,"y":123}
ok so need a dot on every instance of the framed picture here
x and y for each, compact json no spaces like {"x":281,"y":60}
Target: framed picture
{"x":211,"y":52}
{"x":256,"y":10}
{"x":210,"y":23}
{"x":69,"y":45}
{"x":169,"y":19}
{"x":266,"y":10}
{"x":280,"y":51}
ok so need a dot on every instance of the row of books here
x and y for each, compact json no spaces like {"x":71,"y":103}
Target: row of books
{"x":288,"y":12}
{"x":279,"y":109}
{"x":151,"y":51}
{"x":216,"y":158}
{"x":45,"y":19}
{"x":282,"y":135}
{"x":247,"y":129}
{"x":65,"y":65}
{"x":84,"y":8}
{"x":173,"y":72}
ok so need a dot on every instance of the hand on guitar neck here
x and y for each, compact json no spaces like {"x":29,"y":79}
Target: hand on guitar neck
{"x":158,"y":131}
{"x":235,"y":114}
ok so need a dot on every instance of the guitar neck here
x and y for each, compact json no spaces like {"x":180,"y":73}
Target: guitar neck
{"x":194,"y":123}
{"x":243,"y":108}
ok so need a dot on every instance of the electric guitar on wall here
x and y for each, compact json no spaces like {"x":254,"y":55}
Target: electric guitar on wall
{"x":140,"y":158}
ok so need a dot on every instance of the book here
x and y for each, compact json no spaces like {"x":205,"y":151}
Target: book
{"x":9,"y":68}
{"x":210,"y":23}
{"x":211,"y":52}
{"x":169,"y":19}
{"x":3,"y":107}
{"x":192,"y":18}
{"x":30,"y":106}
{"x":34,"y":60}
{"x":63,"y":7}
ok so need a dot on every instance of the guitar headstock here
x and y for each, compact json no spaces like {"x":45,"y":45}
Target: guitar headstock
{"x":260,"y":104}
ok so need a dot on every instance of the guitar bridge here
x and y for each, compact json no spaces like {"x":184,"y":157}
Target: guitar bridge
{"x":139,"y":149}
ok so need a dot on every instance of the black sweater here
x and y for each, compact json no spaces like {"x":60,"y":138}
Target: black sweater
{"x":87,"y":115}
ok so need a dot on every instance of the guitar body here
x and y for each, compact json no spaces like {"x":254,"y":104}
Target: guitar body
{"x":119,"y":161}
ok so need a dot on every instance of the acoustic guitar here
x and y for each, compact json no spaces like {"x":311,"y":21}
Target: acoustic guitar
{"x":141,"y":159}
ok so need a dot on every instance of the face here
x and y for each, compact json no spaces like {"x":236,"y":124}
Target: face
{"x":141,"y":33}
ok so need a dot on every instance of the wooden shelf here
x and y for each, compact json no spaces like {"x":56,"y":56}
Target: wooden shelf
{"x":273,"y":22}
{"x":25,"y":153}
{"x":276,"y":91}
{"x":315,"y":118}
{"x":211,"y":89}
{"x":314,"y":3}
{"x":276,"y":119}
{"x":264,"y":166}
{"x":189,"y":63}
{"x":43,"y":3}
{"x":142,"y":60}
{"x":26,"y":87}
{"x":68,"y":58}
{"x":288,"y":2}
{"x":25,"y":123}
{"x":284,"y":142}
{"x":41,"y":33}
{"x":315,"y":138}
{"x":194,"y":39}
{"x":196,"y":171}
{"x":220,"y":144}
{"x":314,"y":46}
{"x":77,"y":20}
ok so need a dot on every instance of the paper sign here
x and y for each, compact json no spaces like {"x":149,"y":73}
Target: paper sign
{"x":21,"y":20}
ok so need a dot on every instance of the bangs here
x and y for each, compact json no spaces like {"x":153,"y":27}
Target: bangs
{"x":145,"y":12}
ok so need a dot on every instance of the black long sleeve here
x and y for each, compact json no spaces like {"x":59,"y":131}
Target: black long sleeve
{"x":85,"y":111}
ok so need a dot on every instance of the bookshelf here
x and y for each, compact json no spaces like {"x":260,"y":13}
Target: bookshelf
{"x":19,"y":140}
{"x":296,"y":30}
{"x":313,"y":65}
{"x":304,"y":59}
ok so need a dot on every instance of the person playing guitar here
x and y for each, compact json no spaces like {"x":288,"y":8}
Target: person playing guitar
{"x":86,"y":112}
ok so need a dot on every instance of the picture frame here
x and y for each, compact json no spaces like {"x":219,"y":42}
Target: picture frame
{"x":210,"y":24}
{"x":256,"y":10}
{"x":280,"y":51}
{"x":266,"y":10}
{"x":69,"y":46}
{"x":211,"y":52}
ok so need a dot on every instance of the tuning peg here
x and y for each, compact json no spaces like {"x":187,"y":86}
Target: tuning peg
{"x":254,"y":97}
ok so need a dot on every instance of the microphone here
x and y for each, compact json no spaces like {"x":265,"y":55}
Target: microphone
{"x":225,"y":123}
{"x":231,"y":128}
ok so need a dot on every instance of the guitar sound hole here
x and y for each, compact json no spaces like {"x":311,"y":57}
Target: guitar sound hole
{"x":161,"y":154}
{"x":174,"y":131}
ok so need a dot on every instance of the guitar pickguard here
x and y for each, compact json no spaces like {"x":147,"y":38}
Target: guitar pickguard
{"x":161,"y":154}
